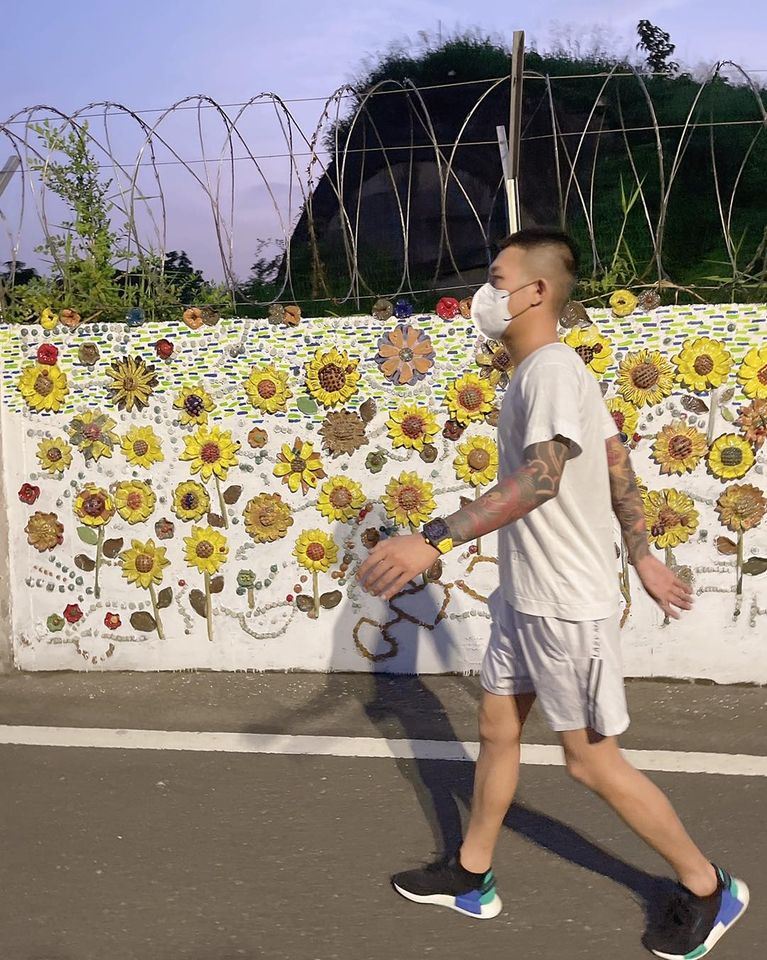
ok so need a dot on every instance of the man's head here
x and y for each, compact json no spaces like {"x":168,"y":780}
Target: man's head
{"x":539,"y":268}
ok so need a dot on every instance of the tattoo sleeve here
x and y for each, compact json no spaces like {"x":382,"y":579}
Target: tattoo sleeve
{"x":627,"y":501}
{"x":515,"y":496}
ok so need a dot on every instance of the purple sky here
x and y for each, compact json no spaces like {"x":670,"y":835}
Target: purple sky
{"x":149,"y":54}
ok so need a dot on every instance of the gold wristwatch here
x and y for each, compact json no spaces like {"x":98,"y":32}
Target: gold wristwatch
{"x":437,"y":534}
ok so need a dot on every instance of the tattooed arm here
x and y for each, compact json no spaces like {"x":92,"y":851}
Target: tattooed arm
{"x":664,"y":586}
{"x":515,"y":496}
{"x":627,"y":501}
{"x":394,"y":562}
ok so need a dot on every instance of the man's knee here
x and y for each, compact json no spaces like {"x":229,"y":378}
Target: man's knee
{"x":499,"y":732}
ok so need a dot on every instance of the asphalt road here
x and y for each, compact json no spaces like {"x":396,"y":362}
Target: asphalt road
{"x":167,"y":855}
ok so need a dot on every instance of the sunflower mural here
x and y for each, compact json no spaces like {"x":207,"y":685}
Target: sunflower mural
{"x":206,"y":550}
{"x":476,"y":463}
{"x":331,"y":377}
{"x":143,"y":564}
{"x":146,"y":439}
{"x":741,"y":507}
{"x":212,"y":453}
{"x":317,"y":552}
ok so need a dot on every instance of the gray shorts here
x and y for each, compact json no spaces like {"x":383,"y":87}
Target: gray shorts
{"x":573,"y":666}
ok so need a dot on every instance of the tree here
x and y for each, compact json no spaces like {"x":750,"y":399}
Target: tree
{"x":657,"y":45}
{"x":179,"y":270}
{"x":21,"y":274}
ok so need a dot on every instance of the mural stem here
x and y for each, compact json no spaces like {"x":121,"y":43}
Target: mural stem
{"x":625,"y":583}
{"x":739,"y":572}
{"x":670,"y":565}
{"x":712,"y":402}
{"x":99,"y":545}
{"x":316,"y":587}
{"x":477,"y":493}
{"x":156,"y":611}
{"x":208,"y":610}
{"x":221,"y":504}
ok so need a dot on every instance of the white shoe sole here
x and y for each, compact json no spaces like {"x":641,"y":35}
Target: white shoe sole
{"x":719,"y":931}
{"x":488,"y":910}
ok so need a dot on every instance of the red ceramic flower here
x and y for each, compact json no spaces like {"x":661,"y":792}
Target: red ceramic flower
{"x":47,"y":354}
{"x":164,"y":349}
{"x":113,"y":621}
{"x":448,"y":308}
{"x":73,"y":613}
{"x":28,"y":493}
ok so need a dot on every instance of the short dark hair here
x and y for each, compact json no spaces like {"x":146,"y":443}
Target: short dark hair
{"x":534,"y":237}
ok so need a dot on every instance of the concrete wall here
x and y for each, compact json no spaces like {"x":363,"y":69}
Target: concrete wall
{"x":441,"y":627}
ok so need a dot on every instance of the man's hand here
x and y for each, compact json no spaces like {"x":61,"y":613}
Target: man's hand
{"x":664,"y":586}
{"x":393,"y":563}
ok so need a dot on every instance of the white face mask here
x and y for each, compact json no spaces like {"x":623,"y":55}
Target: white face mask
{"x":490,"y":310}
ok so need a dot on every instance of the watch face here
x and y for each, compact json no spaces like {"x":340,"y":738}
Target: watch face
{"x":437,"y":530}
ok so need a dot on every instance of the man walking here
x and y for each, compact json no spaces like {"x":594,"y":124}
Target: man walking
{"x":563,"y":472}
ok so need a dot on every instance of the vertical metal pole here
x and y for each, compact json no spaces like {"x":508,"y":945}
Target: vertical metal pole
{"x":11,"y":166}
{"x":515,"y":130}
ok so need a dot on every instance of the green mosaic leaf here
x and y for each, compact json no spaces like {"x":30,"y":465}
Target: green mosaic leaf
{"x":306,"y":405}
{"x":88,"y":536}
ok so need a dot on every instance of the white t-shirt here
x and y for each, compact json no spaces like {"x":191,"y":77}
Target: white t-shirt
{"x":559,"y":560}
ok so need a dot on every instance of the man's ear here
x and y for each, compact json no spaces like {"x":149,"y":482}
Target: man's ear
{"x":541,"y":288}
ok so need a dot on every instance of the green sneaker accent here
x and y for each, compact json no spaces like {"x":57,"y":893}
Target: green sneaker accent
{"x":734,"y":889}
{"x":487,"y":897}
{"x":700,"y":952}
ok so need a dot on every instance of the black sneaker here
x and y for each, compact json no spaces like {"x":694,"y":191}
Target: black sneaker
{"x":691,"y":925}
{"x":446,"y":884}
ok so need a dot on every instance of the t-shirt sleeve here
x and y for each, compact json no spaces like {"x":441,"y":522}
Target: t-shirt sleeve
{"x":552,"y":397}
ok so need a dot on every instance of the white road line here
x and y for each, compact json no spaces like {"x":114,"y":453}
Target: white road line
{"x":669,"y":761}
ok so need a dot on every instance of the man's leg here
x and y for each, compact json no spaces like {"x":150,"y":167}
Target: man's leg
{"x":501,"y":719}
{"x":597,"y":763}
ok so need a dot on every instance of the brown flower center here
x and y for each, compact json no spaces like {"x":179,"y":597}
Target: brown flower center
{"x":409,"y":498}
{"x":745,"y":506}
{"x":190,"y":501}
{"x":762,"y":376}
{"x":666,"y":518}
{"x":732,"y":456}
{"x":94,"y":505}
{"x":268,"y":515}
{"x":266,"y":389}
{"x":470,"y":398}
{"x":204,"y":549}
{"x":680,"y":447}
{"x":586,"y":353}
{"x":501,"y":360}
{"x":620,"y":420}
{"x":645,"y":375}
{"x":144,"y":563}
{"x":340,"y":497}
{"x":478,"y":459}
{"x":140,"y":448}
{"x":406,"y":355}
{"x":128,"y":384}
{"x":54,"y":455}
{"x":315,"y":551}
{"x":413,"y":426}
{"x":194,"y":405}
{"x":92,"y":431}
{"x":298,"y":465}
{"x":43,"y":385}
{"x":210,"y":453}
{"x":331,"y":377}
{"x":134,"y":500}
{"x":703,"y":365}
